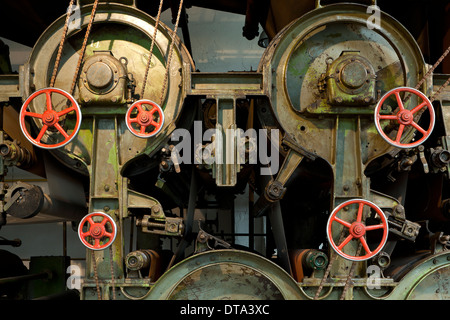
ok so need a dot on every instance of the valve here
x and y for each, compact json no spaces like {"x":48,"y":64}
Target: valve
{"x":50,"y":118}
{"x":145,"y":125}
{"x":100,"y":228}
{"x":404,"y":117}
{"x":357,"y":229}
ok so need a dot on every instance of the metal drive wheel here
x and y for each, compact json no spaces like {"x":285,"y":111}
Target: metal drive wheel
{"x":225,"y":275}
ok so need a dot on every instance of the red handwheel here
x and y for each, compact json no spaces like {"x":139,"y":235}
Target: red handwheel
{"x":50,"y":118}
{"x":404,"y":117}
{"x":148,"y":121}
{"x":357,"y":230}
{"x":99,"y":228}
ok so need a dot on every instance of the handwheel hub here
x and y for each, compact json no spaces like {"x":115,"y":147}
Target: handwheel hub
{"x":97,"y":231}
{"x":357,"y":229}
{"x":144,"y":118}
{"x":405,"y":117}
{"x":50,"y":118}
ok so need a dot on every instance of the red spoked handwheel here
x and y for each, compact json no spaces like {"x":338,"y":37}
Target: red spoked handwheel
{"x":99,"y":228}
{"x":404,"y":117}
{"x":357,"y":229}
{"x":50,"y":118}
{"x":148,"y":120}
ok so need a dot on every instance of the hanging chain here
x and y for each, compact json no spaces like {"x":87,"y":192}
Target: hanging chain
{"x":170,"y":52}
{"x":171,"y":49}
{"x":112,"y":272}
{"x":151,"y":48}
{"x":350,"y":275}
{"x":83,"y":48}
{"x":61,"y":44}
{"x":429,"y":72}
{"x":438,"y":92}
{"x":327,"y":272}
{"x":97,"y":285}
{"x":433,"y":68}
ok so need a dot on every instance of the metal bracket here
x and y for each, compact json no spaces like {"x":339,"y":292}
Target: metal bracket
{"x":204,"y":239}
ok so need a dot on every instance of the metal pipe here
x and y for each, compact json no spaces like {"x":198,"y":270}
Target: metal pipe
{"x":28,"y":277}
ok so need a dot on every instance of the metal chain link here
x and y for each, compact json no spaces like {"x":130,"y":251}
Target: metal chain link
{"x":170,"y":52}
{"x":112,"y":272}
{"x":151,"y":48}
{"x":433,"y":68}
{"x":438,"y":92}
{"x":429,"y":72}
{"x":350,"y":275}
{"x":61,"y":44}
{"x":94,"y":263}
{"x":327,"y":271}
{"x":83,"y":48}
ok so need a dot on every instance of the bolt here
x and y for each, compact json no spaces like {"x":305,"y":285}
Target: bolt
{"x":106,"y":208}
{"x":346,"y":188}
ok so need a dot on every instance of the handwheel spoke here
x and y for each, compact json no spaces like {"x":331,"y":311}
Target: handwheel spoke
{"x":66,"y":111}
{"x":142,"y":129}
{"x":48,"y":97}
{"x":97,"y":243}
{"x":399,"y":133}
{"x":109,"y":235}
{"x":345,"y":242}
{"x":152,"y":111}
{"x":374,"y":227}
{"x":360,"y":212}
{"x":61,"y":130}
{"x":365,"y":245}
{"x":85,"y":234}
{"x":90,"y":220}
{"x":344,"y":223}
{"x":420,"y":106}
{"x":399,"y":101}
{"x":41,"y":133}
{"x":387,"y":117}
{"x":32,"y":114}
{"x":419,"y":128}
{"x":155,"y":124}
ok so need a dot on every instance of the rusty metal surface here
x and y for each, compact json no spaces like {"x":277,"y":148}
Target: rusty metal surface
{"x":318,"y":84}
{"x":242,"y":275}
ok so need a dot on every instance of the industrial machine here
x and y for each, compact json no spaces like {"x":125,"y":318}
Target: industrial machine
{"x":339,"y":142}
